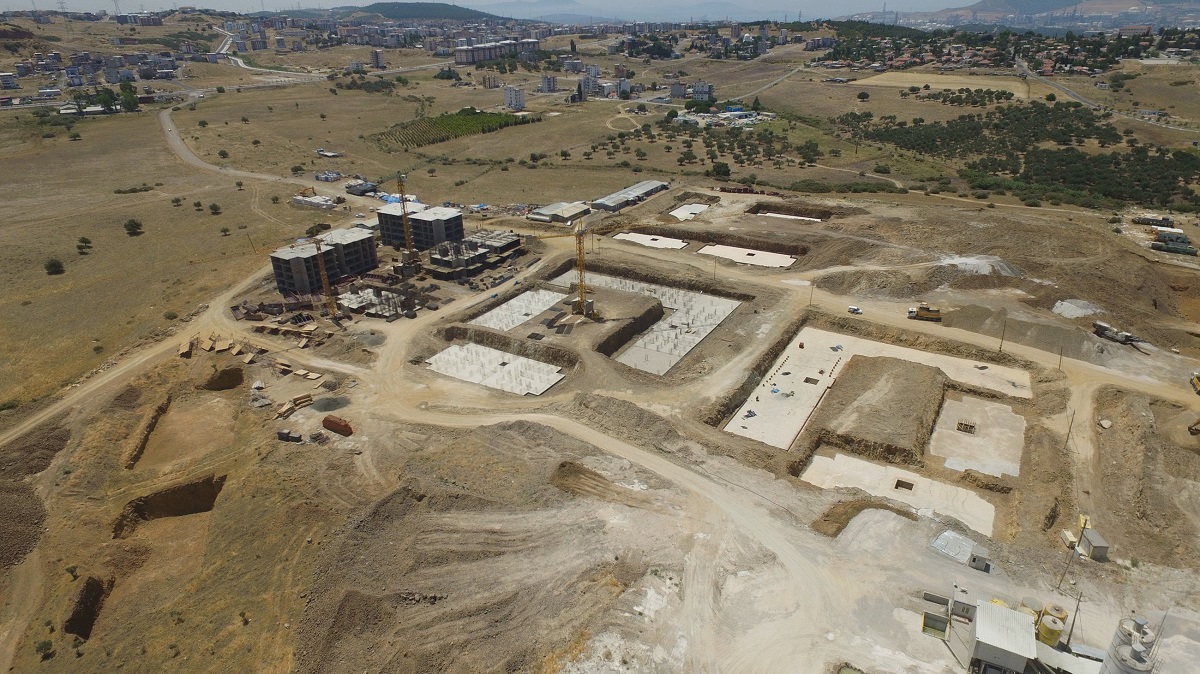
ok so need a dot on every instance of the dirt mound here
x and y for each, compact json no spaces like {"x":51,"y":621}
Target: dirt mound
{"x":225,"y":379}
{"x":186,"y":499}
{"x":1147,"y":484}
{"x":20,"y":522}
{"x":575,"y":478}
{"x":881,"y":408}
{"x":127,"y":399}
{"x":834,"y":520}
{"x":89,"y":600}
{"x":799,"y":210}
{"x":32,"y":453}
{"x":883,"y":283}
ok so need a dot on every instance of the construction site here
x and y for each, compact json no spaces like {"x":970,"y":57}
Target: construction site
{"x":704,"y":431}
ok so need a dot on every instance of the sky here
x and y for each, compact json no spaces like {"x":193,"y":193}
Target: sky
{"x":632,"y":9}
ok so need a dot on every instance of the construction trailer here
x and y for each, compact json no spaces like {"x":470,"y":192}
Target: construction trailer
{"x":1092,"y":545}
{"x":1002,"y":640}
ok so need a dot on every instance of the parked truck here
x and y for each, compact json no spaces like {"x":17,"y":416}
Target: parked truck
{"x":925,"y":313}
{"x":1174,"y":247}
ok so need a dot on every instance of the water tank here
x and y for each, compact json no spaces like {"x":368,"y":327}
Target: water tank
{"x":1033,"y":615}
{"x":1050,"y":630}
{"x":1033,"y":604}
{"x":1056,"y":610}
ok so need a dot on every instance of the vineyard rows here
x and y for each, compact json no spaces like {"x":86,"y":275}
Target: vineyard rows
{"x":430,"y":130}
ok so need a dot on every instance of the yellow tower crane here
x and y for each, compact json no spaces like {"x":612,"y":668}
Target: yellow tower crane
{"x":580,"y":231}
{"x":401,"y":180}
{"x":326,"y":288}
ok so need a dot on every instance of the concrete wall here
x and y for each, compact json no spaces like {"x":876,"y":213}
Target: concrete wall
{"x":995,"y":656}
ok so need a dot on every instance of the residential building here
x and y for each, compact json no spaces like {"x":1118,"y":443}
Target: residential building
{"x":549,"y":84}
{"x":347,"y":252}
{"x":678,"y":90}
{"x":445,"y":224}
{"x":377,"y":59}
{"x":8,"y":81}
{"x":431,"y":227}
{"x":514,"y":98}
{"x":703,"y":91}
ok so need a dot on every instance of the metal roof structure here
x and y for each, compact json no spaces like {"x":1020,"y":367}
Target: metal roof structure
{"x":1008,"y":630}
{"x":631,"y":194}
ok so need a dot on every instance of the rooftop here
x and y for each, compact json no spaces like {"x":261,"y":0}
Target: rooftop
{"x":1010,"y":631}
{"x":335,"y":237}
{"x":436,"y":213}
{"x":398,"y":210}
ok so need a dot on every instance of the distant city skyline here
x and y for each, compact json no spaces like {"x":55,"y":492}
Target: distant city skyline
{"x":622,"y":9}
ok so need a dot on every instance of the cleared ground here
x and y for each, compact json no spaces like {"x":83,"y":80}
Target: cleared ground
{"x":993,"y":443}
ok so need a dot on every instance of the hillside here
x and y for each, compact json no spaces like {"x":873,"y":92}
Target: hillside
{"x":1018,"y":6}
{"x":423,"y":10}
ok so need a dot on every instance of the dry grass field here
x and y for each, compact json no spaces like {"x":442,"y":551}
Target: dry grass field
{"x":52,"y":328}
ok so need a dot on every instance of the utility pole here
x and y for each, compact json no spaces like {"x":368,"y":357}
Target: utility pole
{"x":1060,"y":357}
{"x":812,"y":288}
{"x":1003,"y":332}
{"x":1074,"y":617}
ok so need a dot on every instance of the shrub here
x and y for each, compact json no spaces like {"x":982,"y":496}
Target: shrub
{"x":202,"y":123}
{"x":133,"y":227}
{"x":883,"y":168}
{"x":170,"y":315}
{"x":54,"y":266}
{"x":75,"y":136}
{"x":220,"y":90}
{"x":223,"y":154}
{"x":274,"y":198}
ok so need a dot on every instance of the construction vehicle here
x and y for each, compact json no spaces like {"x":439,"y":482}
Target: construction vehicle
{"x":924,"y":312}
{"x":1194,"y":429}
{"x":1110,"y":333}
{"x":1196,"y":382}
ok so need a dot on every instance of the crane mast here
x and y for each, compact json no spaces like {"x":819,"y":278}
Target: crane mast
{"x":330,"y":300}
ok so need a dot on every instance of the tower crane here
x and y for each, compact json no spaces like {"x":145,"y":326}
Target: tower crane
{"x":579,"y":230}
{"x":401,"y":181}
{"x":326,"y":288}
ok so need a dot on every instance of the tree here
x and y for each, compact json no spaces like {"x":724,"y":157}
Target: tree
{"x":224,"y":231}
{"x":220,"y":90}
{"x":54,"y":266}
{"x":756,"y":105}
{"x":573,"y":49}
{"x":245,"y":119}
{"x":215,"y":208}
{"x":133,"y":227}
{"x":198,"y":205}
{"x":274,"y":198}
{"x":85,"y":241}
{"x":641,"y":107}
{"x":223,"y":154}
{"x":202,"y":123}
{"x":74,"y":135}
{"x":1051,"y":98}
{"x":565,"y":154}
{"x":297,"y":169}
{"x":239,"y":185}
{"x":322,"y":115}
{"x":256,"y":142}
{"x":177,"y":201}
{"x":862,"y":95}
{"x":720,"y":169}
{"x":45,"y":649}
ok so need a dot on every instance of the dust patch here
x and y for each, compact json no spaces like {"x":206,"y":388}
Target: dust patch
{"x":575,"y":478}
{"x":20,"y":522}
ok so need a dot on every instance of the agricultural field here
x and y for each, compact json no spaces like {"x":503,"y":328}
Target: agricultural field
{"x":430,"y":130}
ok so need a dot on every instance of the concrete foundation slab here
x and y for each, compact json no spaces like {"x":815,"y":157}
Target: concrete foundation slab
{"x":758,"y":258}
{"x":689,"y":211}
{"x":496,"y":369}
{"x":1006,"y":380}
{"x":782,"y":403}
{"x":888,"y":481}
{"x":652,"y":241}
{"x":692,"y":317}
{"x":519,"y":309}
{"x":954,"y":545}
{"x":995,"y":446}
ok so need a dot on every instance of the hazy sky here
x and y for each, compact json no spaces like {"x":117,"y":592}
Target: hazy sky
{"x":668,"y":9}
